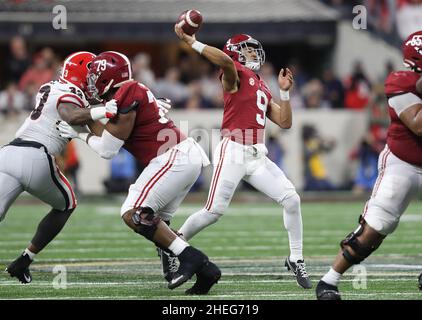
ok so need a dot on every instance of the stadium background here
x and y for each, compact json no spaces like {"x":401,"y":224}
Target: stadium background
{"x":339,"y":109}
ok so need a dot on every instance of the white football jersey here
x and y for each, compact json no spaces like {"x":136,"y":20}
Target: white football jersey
{"x":40,"y":126}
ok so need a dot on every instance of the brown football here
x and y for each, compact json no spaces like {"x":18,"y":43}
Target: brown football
{"x":190,"y":21}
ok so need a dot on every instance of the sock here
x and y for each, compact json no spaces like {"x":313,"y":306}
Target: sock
{"x":30,"y":254}
{"x":196,"y":222}
{"x":177,"y":246}
{"x":293,"y":223}
{"x":332,"y":277}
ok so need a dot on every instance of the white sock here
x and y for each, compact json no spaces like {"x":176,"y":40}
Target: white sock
{"x":196,"y":222}
{"x":293,"y":223}
{"x":30,"y":254}
{"x":177,"y":246}
{"x":332,"y":277}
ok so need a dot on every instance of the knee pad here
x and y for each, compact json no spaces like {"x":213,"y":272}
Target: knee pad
{"x":360,"y":250}
{"x":146,"y":222}
{"x":291,"y":202}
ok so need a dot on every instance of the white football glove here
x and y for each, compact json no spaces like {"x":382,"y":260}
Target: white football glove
{"x":164,"y":105}
{"x":108,"y":111}
{"x":66,"y":130}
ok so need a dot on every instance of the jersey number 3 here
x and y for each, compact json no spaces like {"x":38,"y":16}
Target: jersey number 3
{"x":45,"y":91}
{"x":261,"y":103}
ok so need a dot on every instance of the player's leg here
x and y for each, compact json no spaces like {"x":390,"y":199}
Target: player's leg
{"x":395,"y":186}
{"x":41,"y":178}
{"x":160,"y":182}
{"x":270,"y":179}
{"x":229,"y":169}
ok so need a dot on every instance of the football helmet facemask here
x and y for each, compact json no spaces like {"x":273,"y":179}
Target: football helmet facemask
{"x":236,"y":47}
{"x":108,"y":70}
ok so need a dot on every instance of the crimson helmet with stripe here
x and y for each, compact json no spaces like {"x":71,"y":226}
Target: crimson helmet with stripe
{"x":108,"y":70}
{"x":75,"y":68}
{"x":233,"y":48}
{"x":412,"y":51}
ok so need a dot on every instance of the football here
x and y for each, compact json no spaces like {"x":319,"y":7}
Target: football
{"x":190,"y":21}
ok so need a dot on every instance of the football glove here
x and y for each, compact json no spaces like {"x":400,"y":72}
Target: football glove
{"x":108,"y":111}
{"x":66,"y":130}
{"x":164,"y":105}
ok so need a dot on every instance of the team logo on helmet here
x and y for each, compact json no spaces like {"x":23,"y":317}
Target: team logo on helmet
{"x":412,"y":51}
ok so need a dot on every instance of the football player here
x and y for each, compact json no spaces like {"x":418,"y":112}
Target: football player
{"x":27,"y":163}
{"x":172,"y":163}
{"x":241,"y":154}
{"x":400,"y":171}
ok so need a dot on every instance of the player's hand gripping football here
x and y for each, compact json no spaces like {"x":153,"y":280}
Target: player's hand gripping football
{"x":66,"y":130}
{"x":183,"y":36}
{"x":285,"y":79}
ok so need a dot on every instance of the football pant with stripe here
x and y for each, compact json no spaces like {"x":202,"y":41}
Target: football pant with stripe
{"x":167,"y":179}
{"x":35,"y":171}
{"x":397,"y":183}
{"x":233,"y":162}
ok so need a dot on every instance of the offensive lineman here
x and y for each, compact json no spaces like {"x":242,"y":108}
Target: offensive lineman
{"x":400,"y":171}
{"x":241,"y":154}
{"x":27,"y":163}
{"x":172,"y":163}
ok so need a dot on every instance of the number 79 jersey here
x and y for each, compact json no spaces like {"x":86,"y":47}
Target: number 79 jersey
{"x":40,"y":126}
{"x":152,"y":134}
{"x":245,"y":110}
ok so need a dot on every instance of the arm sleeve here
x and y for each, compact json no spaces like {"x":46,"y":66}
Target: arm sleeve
{"x":401,"y":102}
{"x":107,"y":146}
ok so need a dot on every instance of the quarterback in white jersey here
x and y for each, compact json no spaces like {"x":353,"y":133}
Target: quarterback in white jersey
{"x":27,"y":163}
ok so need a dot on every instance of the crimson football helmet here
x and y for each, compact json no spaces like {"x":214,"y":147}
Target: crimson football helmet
{"x":235,"y":45}
{"x":75,"y":68}
{"x":108,"y":70}
{"x":412,"y":51}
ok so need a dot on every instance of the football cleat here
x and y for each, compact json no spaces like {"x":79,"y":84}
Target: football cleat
{"x":420,"y":281}
{"x":325,"y":291}
{"x":191,"y":261}
{"x":169,"y":264}
{"x":299,"y":270}
{"x":205,"y":279}
{"x":20,"y":268}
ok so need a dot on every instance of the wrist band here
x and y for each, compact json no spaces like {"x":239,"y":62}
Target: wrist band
{"x":98,"y":113}
{"x":284,"y":95}
{"x":198,"y":46}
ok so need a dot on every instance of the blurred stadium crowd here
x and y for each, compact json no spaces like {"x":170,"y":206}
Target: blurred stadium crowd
{"x":193,"y":84}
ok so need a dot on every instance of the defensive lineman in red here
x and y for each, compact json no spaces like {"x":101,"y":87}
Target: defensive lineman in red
{"x":399,"y":166}
{"x":241,"y":154}
{"x":172,"y":163}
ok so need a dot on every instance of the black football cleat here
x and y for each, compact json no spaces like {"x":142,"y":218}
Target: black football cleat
{"x":420,"y":281}
{"x":191,"y":261}
{"x":299,"y":270}
{"x":20,"y":268}
{"x":325,"y":291}
{"x":205,"y":279}
{"x":169,"y":264}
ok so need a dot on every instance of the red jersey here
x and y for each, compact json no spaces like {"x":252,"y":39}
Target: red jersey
{"x":153,"y":133}
{"x":400,"y":139}
{"x":245,"y":110}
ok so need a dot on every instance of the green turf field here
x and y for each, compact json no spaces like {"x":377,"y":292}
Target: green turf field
{"x":105,"y":260}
